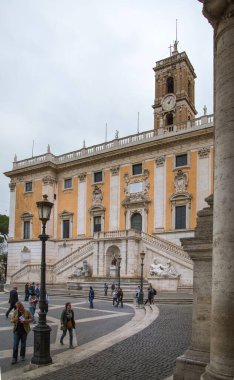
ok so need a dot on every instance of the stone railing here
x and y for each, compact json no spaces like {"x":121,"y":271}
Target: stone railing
{"x":28,"y":268}
{"x":166,"y":246}
{"x":118,"y":143}
{"x":117,"y":234}
{"x":79,"y":253}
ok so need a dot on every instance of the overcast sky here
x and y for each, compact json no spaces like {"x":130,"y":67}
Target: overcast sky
{"x":68,"y":67}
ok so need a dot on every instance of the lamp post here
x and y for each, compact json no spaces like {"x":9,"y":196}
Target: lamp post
{"x":141,"y":293}
{"x":119,"y":262}
{"x":41,"y":353}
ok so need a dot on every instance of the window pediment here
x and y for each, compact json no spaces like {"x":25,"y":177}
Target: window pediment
{"x":26,"y":216}
{"x":66,"y":214}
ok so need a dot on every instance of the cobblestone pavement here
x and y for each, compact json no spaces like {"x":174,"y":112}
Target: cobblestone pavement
{"x":149,"y":354}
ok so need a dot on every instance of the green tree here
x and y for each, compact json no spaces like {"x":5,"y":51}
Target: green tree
{"x":4,"y":223}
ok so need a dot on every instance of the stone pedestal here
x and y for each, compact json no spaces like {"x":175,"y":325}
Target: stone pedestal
{"x":192,"y":363}
{"x":113,"y":271}
{"x":169,"y":284}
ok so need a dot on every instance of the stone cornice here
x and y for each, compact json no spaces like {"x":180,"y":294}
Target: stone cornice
{"x":215,"y":11}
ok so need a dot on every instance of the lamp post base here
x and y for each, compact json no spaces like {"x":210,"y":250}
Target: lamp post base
{"x":140,"y":298}
{"x":41,"y":354}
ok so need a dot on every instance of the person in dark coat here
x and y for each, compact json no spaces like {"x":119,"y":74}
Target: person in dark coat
{"x":12,"y":300}
{"x":119,"y":297}
{"x":150,"y":296}
{"x":67,"y":323}
{"x":91,"y":297}
{"x":26,"y":291}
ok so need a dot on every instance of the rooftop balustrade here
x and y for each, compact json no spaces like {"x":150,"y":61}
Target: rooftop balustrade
{"x":206,"y":121}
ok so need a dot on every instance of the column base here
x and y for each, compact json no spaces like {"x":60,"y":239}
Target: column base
{"x":210,"y":375}
{"x":191,"y":365}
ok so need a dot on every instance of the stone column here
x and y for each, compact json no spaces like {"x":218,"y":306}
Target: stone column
{"x":192,"y":363}
{"x":220,"y":14}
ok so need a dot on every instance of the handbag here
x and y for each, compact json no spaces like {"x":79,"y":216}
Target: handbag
{"x":69,"y":324}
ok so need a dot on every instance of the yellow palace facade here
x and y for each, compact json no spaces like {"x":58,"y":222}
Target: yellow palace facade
{"x":133,"y":193}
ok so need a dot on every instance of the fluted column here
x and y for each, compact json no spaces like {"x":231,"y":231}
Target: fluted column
{"x":220,"y":14}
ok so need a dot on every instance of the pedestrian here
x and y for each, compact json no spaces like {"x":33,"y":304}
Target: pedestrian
{"x":26,"y":291}
{"x":150,"y":296}
{"x":119,"y":297}
{"x":67,"y":323}
{"x":91,"y":297}
{"x":105,"y":289}
{"x":114,"y":296}
{"x":112,"y":287}
{"x":21,"y":319}
{"x":137,"y":294}
{"x":154,"y":293}
{"x":37,"y":291}
{"x":32,"y":305}
{"x":13,"y":298}
{"x":46,"y":303}
{"x":30,"y":289}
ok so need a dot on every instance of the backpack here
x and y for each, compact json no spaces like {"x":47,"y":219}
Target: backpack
{"x":155,"y":292}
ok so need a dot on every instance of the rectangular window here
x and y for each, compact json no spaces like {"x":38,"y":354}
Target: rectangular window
{"x":180,"y":217}
{"x":27,"y":229}
{"x":182,"y":160}
{"x":97,"y":224}
{"x":97,"y":177}
{"x":136,"y":169}
{"x":28,"y":186}
{"x":66,"y":229}
{"x":68,"y":183}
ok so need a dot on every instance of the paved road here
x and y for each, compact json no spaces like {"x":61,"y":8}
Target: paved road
{"x":149,"y":354}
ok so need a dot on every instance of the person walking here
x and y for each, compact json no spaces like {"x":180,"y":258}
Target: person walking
{"x":13,"y":299}
{"x":21,"y":319}
{"x":115,"y":296}
{"x":37,"y":291}
{"x":119,"y":297}
{"x":105,"y":289}
{"x":150,"y":296}
{"x":67,"y":323}
{"x":26,"y":291}
{"x":32,"y":305}
{"x":91,"y":297}
{"x":137,"y":295}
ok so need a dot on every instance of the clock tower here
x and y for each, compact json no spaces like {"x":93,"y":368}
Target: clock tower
{"x":174,"y":90}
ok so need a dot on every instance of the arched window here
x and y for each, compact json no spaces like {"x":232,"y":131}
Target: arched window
{"x":136,"y":221}
{"x":169,"y":119}
{"x":170,"y":85}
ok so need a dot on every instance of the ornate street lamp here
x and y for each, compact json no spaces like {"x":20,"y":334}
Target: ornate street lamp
{"x":119,"y":262}
{"x":141,"y":293}
{"x":41,"y":353}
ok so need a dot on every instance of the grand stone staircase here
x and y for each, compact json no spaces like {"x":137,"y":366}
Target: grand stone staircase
{"x":58,"y":272}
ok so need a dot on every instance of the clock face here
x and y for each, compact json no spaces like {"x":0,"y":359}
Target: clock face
{"x":169,"y":102}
